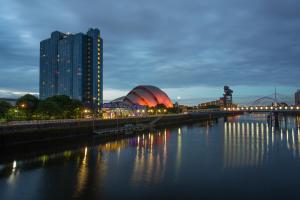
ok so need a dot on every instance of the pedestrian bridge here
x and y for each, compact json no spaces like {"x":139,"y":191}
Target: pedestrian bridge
{"x":264,"y":109}
{"x":251,"y":109}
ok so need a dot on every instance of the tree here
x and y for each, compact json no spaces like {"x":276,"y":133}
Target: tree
{"x":160,"y":106}
{"x":15,"y":114}
{"x":4,"y":107}
{"x":59,"y":106}
{"x":48,"y":109}
{"x":28,"y":103}
{"x":67,"y":105}
{"x":76,"y":108}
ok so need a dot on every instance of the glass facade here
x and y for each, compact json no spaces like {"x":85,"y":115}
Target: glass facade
{"x":72,"y":65}
{"x":95,"y":63}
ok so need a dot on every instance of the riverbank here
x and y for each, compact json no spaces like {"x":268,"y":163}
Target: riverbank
{"x":31,"y":132}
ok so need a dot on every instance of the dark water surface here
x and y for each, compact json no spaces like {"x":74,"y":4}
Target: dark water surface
{"x":238,"y":158}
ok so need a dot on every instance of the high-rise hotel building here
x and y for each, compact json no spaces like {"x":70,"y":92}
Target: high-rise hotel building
{"x":72,"y":65}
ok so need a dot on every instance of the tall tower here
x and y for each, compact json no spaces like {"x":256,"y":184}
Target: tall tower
{"x":227,"y":96}
{"x":94,"y":69}
{"x":72,"y":65}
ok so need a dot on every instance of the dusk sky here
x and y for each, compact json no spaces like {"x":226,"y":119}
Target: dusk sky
{"x":188,"y":48}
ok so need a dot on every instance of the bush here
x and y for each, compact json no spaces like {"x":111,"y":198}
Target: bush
{"x":14,"y":114}
{"x":4,"y":107}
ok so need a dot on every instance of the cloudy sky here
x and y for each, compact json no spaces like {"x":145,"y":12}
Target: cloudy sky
{"x":190,"y":48}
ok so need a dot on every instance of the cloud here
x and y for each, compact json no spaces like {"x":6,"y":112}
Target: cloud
{"x":171,"y":43}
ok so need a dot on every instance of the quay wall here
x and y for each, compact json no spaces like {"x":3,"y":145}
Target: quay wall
{"x":12,"y":134}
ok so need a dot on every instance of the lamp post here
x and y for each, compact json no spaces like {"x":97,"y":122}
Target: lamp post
{"x":93,"y":106}
{"x":178,"y":98}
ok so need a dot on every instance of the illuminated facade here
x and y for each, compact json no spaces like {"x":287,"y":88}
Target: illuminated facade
{"x":148,"y":95}
{"x":72,"y":65}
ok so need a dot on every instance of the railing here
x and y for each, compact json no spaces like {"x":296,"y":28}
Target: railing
{"x":61,"y":121}
{"x":32,"y":122}
{"x":264,"y":108}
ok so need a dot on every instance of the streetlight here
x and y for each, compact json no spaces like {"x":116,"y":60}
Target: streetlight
{"x":178,"y":98}
{"x":94,"y":100}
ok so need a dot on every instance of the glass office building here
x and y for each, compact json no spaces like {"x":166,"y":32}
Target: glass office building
{"x":72,"y":65}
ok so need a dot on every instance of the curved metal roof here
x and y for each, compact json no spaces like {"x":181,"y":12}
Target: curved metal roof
{"x":148,"y":95}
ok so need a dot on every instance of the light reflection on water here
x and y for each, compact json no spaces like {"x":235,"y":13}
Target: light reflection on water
{"x":185,"y":155}
{"x":249,"y":144}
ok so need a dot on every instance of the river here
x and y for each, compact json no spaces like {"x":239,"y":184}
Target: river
{"x":239,"y":157}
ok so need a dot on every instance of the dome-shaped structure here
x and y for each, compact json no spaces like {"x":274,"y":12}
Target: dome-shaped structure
{"x":148,"y":95}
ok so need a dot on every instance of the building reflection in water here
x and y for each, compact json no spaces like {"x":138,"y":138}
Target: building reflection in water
{"x":82,"y":174}
{"x":151,"y":157}
{"x":81,"y":158}
{"x":251,"y":144}
{"x":179,"y":153}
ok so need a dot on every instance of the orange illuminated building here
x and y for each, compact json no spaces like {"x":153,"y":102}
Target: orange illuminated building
{"x":147,"y":95}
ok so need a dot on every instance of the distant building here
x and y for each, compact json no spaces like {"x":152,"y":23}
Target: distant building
{"x":227,"y":96}
{"x":140,"y":101}
{"x":216,"y":103}
{"x":146,"y":95}
{"x":297,"y":98}
{"x":225,"y":101}
{"x":72,"y":65}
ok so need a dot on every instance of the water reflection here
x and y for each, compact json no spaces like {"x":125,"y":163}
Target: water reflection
{"x":251,"y":144}
{"x":149,"y":164}
{"x":179,"y":158}
{"x":82,"y":174}
{"x":151,"y":158}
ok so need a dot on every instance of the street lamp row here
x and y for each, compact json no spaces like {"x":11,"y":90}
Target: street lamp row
{"x":262,"y":108}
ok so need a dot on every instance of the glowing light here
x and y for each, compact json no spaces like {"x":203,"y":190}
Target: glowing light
{"x":85,"y":152}
{"x":14,"y":166}
{"x":179,"y":131}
